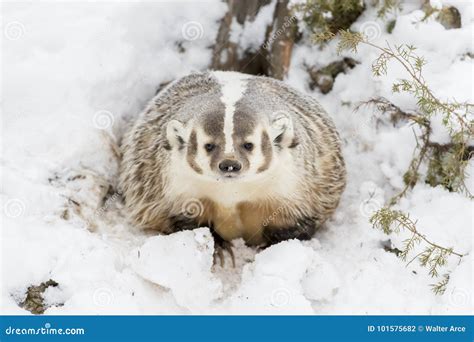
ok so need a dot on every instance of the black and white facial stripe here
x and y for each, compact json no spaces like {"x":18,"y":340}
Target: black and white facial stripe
{"x":240,"y":134}
{"x":233,"y":136}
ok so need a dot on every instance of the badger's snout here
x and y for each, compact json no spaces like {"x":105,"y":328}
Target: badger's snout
{"x":230,"y":166}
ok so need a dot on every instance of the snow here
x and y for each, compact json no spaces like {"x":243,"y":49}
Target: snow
{"x":252,"y":33}
{"x":272,"y":283}
{"x":73,"y":78}
{"x":181,"y":262}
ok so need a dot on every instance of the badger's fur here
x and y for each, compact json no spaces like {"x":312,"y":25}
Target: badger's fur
{"x":246,"y":155}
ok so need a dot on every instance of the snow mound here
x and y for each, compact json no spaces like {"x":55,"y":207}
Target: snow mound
{"x":69,"y":95}
{"x":282,"y":279}
{"x":181,"y":262}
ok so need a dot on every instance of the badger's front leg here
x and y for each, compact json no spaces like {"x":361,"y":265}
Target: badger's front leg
{"x":221,"y":245}
{"x":178,"y":223}
{"x":182,"y":222}
{"x":304,"y":229}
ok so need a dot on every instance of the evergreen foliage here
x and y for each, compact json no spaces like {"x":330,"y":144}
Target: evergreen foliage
{"x":447,"y":164}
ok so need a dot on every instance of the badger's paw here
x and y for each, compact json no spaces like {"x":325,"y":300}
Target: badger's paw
{"x":182,"y":222}
{"x":304,"y":229}
{"x":221,"y":245}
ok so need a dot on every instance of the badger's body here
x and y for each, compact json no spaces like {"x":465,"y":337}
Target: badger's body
{"x":248,"y":156}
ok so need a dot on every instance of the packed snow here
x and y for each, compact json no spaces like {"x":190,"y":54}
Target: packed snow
{"x":75,"y":75}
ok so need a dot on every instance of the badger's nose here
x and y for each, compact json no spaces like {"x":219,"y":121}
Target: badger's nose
{"x":228,"y":165}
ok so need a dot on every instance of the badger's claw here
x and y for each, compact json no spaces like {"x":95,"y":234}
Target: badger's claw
{"x":221,"y":245}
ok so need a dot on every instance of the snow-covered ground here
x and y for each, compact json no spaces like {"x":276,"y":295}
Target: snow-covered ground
{"x":73,"y":76}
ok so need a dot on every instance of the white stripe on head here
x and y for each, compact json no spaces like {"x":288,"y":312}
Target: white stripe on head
{"x":233,"y":85}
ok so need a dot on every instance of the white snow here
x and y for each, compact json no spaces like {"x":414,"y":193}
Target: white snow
{"x":181,"y":262}
{"x":251,"y":34}
{"x":272,"y":283}
{"x":74,"y":75}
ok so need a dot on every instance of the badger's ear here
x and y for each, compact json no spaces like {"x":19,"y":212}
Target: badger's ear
{"x":282,"y":132}
{"x":175,"y":133}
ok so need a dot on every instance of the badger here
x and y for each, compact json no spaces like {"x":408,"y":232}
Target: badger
{"x":246,"y":155}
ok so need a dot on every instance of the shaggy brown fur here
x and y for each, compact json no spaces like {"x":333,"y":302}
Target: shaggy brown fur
{"x":316,"y":168}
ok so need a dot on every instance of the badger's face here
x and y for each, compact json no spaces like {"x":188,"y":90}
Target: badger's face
{"x":239,"y":147}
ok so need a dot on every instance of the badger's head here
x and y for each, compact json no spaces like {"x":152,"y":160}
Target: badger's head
{"x":232,"y":143}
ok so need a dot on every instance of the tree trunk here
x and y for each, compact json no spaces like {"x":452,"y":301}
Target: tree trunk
{"x":225,"y":56}
{"x":280,"y":41}
{"x":274,"y":54}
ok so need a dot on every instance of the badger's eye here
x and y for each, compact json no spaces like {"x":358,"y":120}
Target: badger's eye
{"x":248,"y":146}
{"x":209,"y":147}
